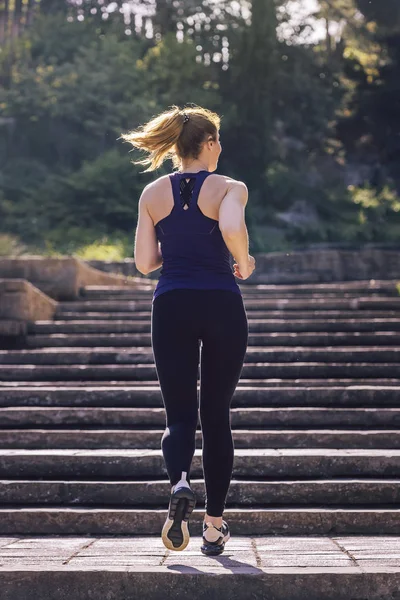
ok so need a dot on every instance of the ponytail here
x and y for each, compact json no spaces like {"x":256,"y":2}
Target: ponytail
{"x":175,"y":134}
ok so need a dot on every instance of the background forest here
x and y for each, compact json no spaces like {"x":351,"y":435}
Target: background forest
{"x":308,"y":93}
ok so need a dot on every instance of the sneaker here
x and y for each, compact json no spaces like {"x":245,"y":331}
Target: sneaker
{"x":175,"y":533}
{"x":214,"y":538}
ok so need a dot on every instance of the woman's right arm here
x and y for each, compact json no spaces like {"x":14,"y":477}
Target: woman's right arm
{"x":233,"y":227}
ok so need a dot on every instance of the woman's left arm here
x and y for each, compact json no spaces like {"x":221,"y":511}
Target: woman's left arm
{"x":147,"y":253}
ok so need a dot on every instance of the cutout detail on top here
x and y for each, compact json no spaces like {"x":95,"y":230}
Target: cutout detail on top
{"x":186,"y":187}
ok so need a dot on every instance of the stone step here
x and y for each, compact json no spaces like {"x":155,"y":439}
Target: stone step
{"x":315,"y":422}
{"x":297,"y":418}
{"x":127,"y":394}
{"x":155,"y":493}
{"x":260,"y":302}
{"x":143,"y":315}
{"x":244,"y":521}
{"x":134,"y":297}
{"x":106,"y":372}
{"x":130,"y":567}
{"x":117,"y":464}
{"x":143,"y":296}
{"x":256,"y":308}
{"x":255,"y":326}
{"x":244,"y":383}
{"x":251,"y":568}
{"x":374,"y":286}
{"x":108,"y":438}
{"x":142,"y":356}
{"x":380,"y":338}
{"x":131,"y":295}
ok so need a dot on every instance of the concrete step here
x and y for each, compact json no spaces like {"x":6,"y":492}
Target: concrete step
{"x":151,"y":438}
{"x":252,"y":301}
{"x":380,"y":338}
{"x":143,"y":315}
{"x":117,"y":464}
{"x":132,"y":294}
{"x":244,"y":383}
{"x":251,"y":568}
{"x":254,"y":354}
{"x":255,"y":326}
{"x":297,"y":418}
{"x":315,"y":422}
{"x":374,"y":286}
{"x":155,"y":493}
{"x":260,"y":302}
{"x":261,"y":370}
{"x":86,"y":520}
{"x":129,"y":394}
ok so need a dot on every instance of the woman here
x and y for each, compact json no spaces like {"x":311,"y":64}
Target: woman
{"x":189,"y":222}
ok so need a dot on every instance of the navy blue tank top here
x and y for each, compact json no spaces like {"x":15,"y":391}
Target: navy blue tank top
{"x":194,"y":252}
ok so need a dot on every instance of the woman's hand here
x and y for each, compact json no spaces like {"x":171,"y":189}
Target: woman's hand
{"x":244,"y":271}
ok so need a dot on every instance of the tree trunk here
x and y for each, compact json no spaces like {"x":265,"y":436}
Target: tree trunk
{"x":164,"y":18}
{"x":3,"y":21}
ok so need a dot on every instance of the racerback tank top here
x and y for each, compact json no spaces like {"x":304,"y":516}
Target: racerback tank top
{"x":194,"y":252}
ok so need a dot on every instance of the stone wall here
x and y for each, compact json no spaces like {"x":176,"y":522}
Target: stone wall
{"x":22,"y":303}
{"x":60,"y":278}
{"x":308,"y":266}
{"x":327,"y":265}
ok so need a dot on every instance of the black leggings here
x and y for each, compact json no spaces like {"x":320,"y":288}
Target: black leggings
{"x":180,"y":319}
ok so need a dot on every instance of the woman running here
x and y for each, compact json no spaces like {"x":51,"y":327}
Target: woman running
{"x":189,"y":222}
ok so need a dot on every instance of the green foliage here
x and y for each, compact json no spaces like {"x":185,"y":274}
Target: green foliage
{"x":379,"y":212}
{"x":88,"y":244}
{"x":100,"y":198}
{"x":299,"y":122}
{"x":105,"y":249}
{"x":10,"y":245}
{"x":172,"y":75}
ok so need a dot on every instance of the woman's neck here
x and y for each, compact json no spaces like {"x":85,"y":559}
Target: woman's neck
{"x":192,"y":168}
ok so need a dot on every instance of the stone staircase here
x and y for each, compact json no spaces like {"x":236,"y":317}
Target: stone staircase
{"x":315,"y":417}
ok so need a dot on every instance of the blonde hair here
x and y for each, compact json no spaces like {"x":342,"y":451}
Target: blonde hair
{"x":173,"y":135}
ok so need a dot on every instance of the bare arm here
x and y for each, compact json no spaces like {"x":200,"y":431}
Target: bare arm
{"x":147,"y":253}
{"x":232,"y":223}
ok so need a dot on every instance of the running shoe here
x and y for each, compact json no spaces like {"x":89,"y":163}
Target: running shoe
{"x":214,"y":538}
{"x":175,"y":533}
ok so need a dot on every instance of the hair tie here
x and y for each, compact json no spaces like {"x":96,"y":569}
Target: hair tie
{"x":186,"y":118}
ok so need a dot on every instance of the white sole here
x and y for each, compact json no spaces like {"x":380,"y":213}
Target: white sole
{"x":167,"y":542}
{"x":175,"y":530}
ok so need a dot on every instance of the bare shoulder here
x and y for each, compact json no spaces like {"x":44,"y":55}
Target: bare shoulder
{"x":230,"y":182}
{"x":235,"y":189}
{"x":154,"y":186}
{"x":152,"y":190}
